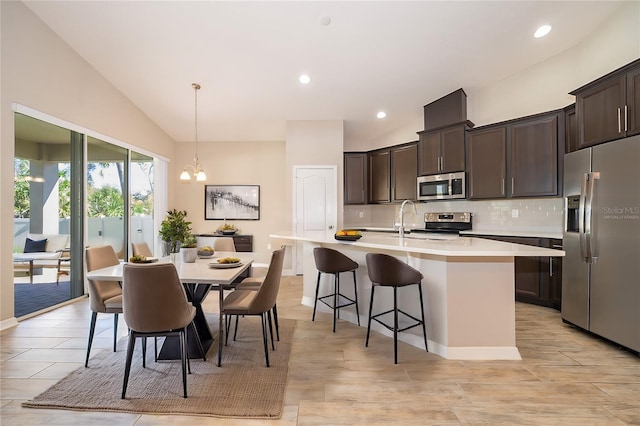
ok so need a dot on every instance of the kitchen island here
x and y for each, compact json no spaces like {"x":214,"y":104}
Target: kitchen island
{"x":468,"y":286}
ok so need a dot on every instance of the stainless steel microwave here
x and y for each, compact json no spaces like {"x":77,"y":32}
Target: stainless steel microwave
{"x":441,"y":187}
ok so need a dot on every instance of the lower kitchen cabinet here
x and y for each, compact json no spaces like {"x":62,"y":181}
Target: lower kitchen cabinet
{"x":538,"y":280}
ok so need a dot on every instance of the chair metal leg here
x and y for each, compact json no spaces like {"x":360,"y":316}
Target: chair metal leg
{"x":127,"y":368}
{"x":264,"y":337}
{"x":275,"y":319}
{"x":395,"y":325}
{"x":144,"y":352}
{"x":155,"y":349}
{"x":424,"y":327}
{"x":271,"y":330}
{"x":369,"y":322}
{"x":315,"y":303}
{"x":355,"y":293}
{"x":185,"y":357}
{"x":235,"y":330}
{"x":115,"y":331}
{"x":92,"y":329}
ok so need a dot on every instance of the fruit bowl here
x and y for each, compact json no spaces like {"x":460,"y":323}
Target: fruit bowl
{"x":205,"y":252}
{"x":348,"y":235}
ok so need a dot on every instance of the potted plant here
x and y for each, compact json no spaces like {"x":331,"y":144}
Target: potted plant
{"x":189,"y":249}
{"x":174,"y":230}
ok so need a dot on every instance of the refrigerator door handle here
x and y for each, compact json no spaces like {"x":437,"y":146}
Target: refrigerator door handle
{"x":589,"y":229}
{"x":581,"y":213}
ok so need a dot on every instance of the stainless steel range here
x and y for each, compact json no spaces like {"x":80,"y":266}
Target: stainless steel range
{"x":445,"y":224}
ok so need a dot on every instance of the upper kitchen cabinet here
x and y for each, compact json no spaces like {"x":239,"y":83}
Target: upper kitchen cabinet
{"x":518,"y":158}
{"x":534,"y":157}
{"x":487,"y":162}
{"x":404,"y":172}
{"x":609,"y":107}
{"x":571,"y":129}
{"x":442,"y":151}
{"x":446,"y":111}
{"x":355,"y":178}
{"x":379,"y":176}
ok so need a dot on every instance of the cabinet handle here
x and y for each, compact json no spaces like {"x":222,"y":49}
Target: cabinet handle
{"x":619,"y":123}
{"x":502,"y":187}
{"x":513,"y":184}
{"x":626,"y":114}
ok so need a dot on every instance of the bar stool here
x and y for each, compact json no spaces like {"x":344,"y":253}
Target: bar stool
{"x":329,"y":261}
{"x":388,"y":271}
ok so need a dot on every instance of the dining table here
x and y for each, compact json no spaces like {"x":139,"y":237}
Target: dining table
{"x":198,"y":279}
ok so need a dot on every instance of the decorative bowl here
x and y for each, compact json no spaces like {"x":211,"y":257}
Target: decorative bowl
{"x":227,"y":232}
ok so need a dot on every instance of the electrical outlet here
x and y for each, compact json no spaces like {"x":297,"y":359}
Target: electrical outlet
{"x":268,"y":246}
{"x":361,"y":214}
{"x":515,"y":213}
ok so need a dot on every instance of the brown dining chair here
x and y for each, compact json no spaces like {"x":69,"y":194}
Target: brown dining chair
{"x":141,"y":249}
{"x":155,"y":304}
{"x":224,"y":244}
{"x":104,"y":296}
{"x":259,"y":303}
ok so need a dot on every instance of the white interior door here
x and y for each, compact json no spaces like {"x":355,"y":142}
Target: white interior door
{"x":315,"y":203}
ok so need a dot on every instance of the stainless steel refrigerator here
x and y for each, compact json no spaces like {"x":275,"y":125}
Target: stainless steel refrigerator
{"x":601,"y":269}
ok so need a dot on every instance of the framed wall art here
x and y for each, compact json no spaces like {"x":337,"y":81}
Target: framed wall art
{"x":232,"y":202}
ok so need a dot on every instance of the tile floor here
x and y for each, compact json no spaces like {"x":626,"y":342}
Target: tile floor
{"x":565,"y":377}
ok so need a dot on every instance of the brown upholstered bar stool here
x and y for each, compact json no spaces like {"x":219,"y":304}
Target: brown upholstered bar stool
{"x":388,"y":271}
{"x":333,"y":262}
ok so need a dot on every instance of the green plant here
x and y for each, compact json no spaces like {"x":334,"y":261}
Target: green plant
{"x":190,"y":242}
{"x":175,"y":227}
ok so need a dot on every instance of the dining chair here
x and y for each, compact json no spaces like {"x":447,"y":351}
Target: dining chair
{"x":155,"y":304}
{"x":258,"y":303}
{"x":224,"y":244}
{"x":141,"y":249}
{"x":104,"y":296}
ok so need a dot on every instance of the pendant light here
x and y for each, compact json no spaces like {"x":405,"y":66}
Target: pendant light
{"x":198,"y":172}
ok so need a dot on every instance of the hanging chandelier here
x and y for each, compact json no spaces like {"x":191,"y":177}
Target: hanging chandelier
{"x":198,"y":172}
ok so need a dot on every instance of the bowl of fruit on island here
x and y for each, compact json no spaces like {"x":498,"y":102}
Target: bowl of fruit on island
{"x":206,"y":251}
{"x":348,"y":235}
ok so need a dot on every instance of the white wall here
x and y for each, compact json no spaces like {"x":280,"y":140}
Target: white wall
{"x":39,"y":71}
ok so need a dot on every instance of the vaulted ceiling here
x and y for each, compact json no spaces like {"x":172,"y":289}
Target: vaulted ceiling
{"x":362,"y":56}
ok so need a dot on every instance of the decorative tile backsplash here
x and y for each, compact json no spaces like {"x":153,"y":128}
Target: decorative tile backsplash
{"x":539,"y":214}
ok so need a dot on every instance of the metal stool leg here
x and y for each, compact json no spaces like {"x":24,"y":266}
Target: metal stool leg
{"x":355,"y":293}
{"x":395,"y":324}
{"x":424,"y":327}
{"x":315,"y":303}
{"x":336,"y":290}
{"x":369,"y":323}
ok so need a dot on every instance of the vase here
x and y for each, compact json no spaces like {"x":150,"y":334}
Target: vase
{"x":170,"y":247}
{"x":188,"y":254}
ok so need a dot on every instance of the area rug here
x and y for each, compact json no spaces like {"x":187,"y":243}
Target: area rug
{"x":243,"y":387}
{"x":30,"y":298}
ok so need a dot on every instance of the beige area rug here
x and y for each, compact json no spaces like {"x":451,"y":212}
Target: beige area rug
{"x":242,"y":388}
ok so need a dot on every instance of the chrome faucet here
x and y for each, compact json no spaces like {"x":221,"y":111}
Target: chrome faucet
{"x":401,"y":230}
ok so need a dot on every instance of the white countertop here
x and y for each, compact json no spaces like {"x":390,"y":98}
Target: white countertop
{"x":421,"y":243}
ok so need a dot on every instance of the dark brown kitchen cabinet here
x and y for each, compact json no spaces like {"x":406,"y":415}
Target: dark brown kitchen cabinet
{"x":487,"y":163}
{"x":538,"y":280}
{"x":607,"y":108}
{"x":441,"y":151}
{"x":516,"y":158}
{"x":379,"y":176}
{"x":571,"y":129}
{"x":534,"y":157}
{"x":355,"y":178}
{"x":404,"y":172}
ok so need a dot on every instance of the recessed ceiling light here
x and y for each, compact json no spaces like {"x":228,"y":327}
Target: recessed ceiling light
{"x":325,"y":21}
{"x":381,"y":114}
{"x":304,"y":79}
{"x":542,"y":31}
